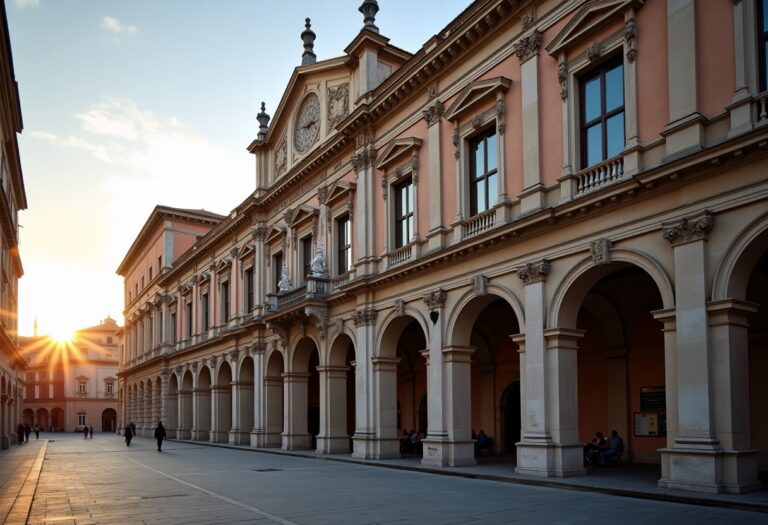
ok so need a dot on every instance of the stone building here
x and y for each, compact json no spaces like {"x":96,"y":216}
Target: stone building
{"x":549,"y":220}
{"x":72,"y":384}
{"x":12,"y":199}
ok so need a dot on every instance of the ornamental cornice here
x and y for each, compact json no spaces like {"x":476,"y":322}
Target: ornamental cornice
{"x":689,"y":229}
{"x":528,"y":46}
{"x":534,"y":272}
{"x":435,"y":299}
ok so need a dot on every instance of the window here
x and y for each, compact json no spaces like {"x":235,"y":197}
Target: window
{"x":109,"y":340}
{"x":483,"y":172}
{"x":173,"y":328}
{"x":136,"y":291}
{"x":109,"y":388}
{"x":82,"y":387}
{"x":344,"y":244}
{"x":403,"y":212}
{"x":188,"y":319}
{"x":224,"y":291}
{"x":204,"y":312}
{"x":142,"y":282}
{"x":277,"y":270}
{"x":81,"y":418}
{"x":150,"y":273}
{"x":159,"y":264}
{"x":602,"y":113}
{"x":306,"y":256}
{"x":248,"y":289}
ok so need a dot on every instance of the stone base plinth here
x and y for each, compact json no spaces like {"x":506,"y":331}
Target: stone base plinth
{"x":333,"y":444}
{"x":548,"y":459}
{"x":709,"y":469}
{"x":199,"y":435}
{"x":296,"y":442}
{"x":368,"y":447}
{"x":447,"y":453}
{"x":237,"y":437}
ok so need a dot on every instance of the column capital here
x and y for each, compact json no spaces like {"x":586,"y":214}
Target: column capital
{"x":534,"y":272}
{"x":365,"y":317}
{"x":433,"y":113}
{"x":689,"y":229}
{"x":385,"y":364}
{"x":435,"y":299}
{"x":528,"y":46}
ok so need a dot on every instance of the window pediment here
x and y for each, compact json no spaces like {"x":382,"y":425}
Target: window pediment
{"x":589,"y":18}
{"x":82,"y":378}
{"x":303,"y":214}
{"x":246,"y":252}
{"x":275,"y":232}
{"x":203,"y":278}
{"x":398,"y":148}
{"x":475,"y":93}
{"x":339,"y":191}
{"x":223,"y":265}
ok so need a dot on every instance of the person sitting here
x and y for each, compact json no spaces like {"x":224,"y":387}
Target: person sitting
{"x":483,"y":442}
{"x":614,"y":448}
{"x":592,"y":450}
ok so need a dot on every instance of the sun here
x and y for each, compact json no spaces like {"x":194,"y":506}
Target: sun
{"x":62,"y":334}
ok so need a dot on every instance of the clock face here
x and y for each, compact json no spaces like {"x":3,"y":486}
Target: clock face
{"x":307,"y":123}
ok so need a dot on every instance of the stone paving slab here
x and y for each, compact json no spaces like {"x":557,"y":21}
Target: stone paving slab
{"x":103,"y":481}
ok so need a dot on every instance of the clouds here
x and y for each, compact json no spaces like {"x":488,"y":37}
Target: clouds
{"x":115,"y":26}
{"x":24,"y":4}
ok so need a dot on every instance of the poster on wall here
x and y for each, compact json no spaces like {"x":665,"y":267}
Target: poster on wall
{"x":653,"y":399}
{"x":647,"y":424}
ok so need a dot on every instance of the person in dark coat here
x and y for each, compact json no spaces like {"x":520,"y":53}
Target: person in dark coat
{"x":128,"y":435}
{"x":20,"y":434}
{"x":160,"y":435}
{"x":27,"y":432}
{"x":133,"y":427}
{"x":85,"y":432}
{"x":90,"y":432}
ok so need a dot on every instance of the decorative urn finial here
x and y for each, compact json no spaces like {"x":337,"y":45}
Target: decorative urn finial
{"x":369,"y":10}
{"x":263,"y":119}
{"x":308,"y":37}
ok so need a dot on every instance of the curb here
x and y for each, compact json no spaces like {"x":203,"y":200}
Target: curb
{"x":23,"y":503}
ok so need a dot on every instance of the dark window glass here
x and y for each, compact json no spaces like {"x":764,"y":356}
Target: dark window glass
{"x":306,"y":255}
{"x":204,"y":312}
{"x":344,"y":244}
{"x":248,"y":288}
{"x":224,"y":291}
{"x":403,"y":213}
{"x":173,"y":328}
{"x":762,"y":42}
{"x":483,"y":177}
{"x":602,"y":109}
{"x":188,"y":320}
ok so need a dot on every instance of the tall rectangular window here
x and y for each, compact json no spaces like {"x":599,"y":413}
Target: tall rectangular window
{"x":224,"y":292}
{"x":404,"y":227}
{"x":306,"y":256}
{"x":159,"y":264}
{"x":150,"y":273}
{"x":248,"y":289}
{"x":483,"y":172}
{"x":204,"y":313}
{"x":277,"y":270}
{"x":602,"y":113}
{"x":81,"y":419}
{"x":188,"y":319}
{"x":173,"y":328}
{"x":343,"y":244}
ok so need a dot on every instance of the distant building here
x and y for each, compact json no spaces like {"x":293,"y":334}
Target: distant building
{"x":12,"y":199}
{"x":71,"y":384}
{"x":549,"y":220}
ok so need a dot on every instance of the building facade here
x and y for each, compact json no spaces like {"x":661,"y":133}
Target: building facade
{"x":12,"y":199}
{"x":548,"y":221}
{"x":72,"y":384}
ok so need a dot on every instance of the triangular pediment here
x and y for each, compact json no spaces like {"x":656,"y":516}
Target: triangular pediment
{"x":223,"y":265}
{"x":476,"y":92}
{"x":339,"y":190}
{"x":246,"y":252}
{"x":396,"y":149}
{"x":589,"y":18}
{"x":303,"y":213}
{"x":203,"y":278}
{"x":276,"y":232}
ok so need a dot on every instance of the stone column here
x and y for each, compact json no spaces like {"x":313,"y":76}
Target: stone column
{"x":694,"y":458}
{"x":261,"y":278}
{"x":669,"y":322}
{"x":458,"y":405}
{"x":5,"y":441}
{"x":363,"y":164}
{"x":519,"y":339}
{"x":527,"y":50}
{"x":387,"y":443}
{"x":368,"y":441}
{"x":730,"y":368}
{"x":435,"y":235}
{"x":296,"y":435}
{"x":274,"y":419}
{"x":436,"y":446}
{"x":259,"y":431}
{"x":185,"y":422}
{"x":333,"y":437}
{"x":236,"y":435}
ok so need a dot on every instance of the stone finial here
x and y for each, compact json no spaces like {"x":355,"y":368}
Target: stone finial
{"x":308,"y":37}
{"x":369,"y":10}
{"x":263,"y":119}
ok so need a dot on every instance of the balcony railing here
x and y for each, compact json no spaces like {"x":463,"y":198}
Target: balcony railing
{"x":316,"y":287}
{"x":479,"y":223}
{"x":761,"y":108}
{"x":341,"y":280}
{"x":400,"y":255}
{"x":599,"y":175}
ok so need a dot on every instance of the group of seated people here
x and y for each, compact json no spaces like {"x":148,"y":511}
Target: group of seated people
{"x":482,"y":443}
{"x":410,"y":442}
{"x":602,"y":451}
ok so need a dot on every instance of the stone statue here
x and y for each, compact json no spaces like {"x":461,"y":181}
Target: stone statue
{"x":284,"y":284}
{"x":317,"y":264}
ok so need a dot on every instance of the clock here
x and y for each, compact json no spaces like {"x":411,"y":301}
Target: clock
{"x":307,"y":124}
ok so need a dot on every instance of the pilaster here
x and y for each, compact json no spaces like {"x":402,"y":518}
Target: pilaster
{"x":433,"y":116}
{"x":527,"y":50}
{"x":333,"y":437}
{"x":436,"y":444}
{"x":296,"y":435}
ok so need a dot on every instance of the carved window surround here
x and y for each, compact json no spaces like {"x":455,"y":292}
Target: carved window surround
{"x":340,"y":201}
{"x":576,"y":55}
{"x":748,"y":107}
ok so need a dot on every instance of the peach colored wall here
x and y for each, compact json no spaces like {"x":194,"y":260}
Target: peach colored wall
{"x":715,"y":56}
{"x":652,"y":74}
{"x":550,"y":121}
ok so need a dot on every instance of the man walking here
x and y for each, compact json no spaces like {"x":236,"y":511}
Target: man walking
{"x":160,"y":435}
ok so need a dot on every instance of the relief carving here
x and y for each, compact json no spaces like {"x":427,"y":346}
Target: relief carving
{"x":433,"y":113}
{"x":338,"y":104}
{"x":689,"y":229}
{"x":630,"y":35}
{"x":435,"y":299}
{"x":534,"y":272}
{"x":528,"y":47}
{"x":601,"y":251}
{"x":281,"y":157}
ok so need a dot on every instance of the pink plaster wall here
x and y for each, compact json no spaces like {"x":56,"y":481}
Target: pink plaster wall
{"x":550,"y":121}
{"x":715,"y":56}
{"x":652,"y":74}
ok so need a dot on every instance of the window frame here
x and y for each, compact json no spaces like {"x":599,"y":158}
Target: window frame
{"x":306,"y":243}
{"x":474,"y":179}
{"x":278,"y":261}
{"x":600,"y":70}
{"x":342,"y":249}
{"x":225,"y":307}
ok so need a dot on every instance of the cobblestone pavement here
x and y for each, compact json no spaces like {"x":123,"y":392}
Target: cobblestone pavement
{"x":103,"y":481}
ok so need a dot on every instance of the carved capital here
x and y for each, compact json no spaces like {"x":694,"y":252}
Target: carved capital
{"x":594,"y":51}
{"x":528,"y":47}
{"x":562,"y":77}
{"x":456,"y":141}
{"x":435,"y":299}
{"x":357,"y":162}
{"x":260,"y":231}
{"x":601,"y":251}
{"x":433,"y":113}
{"x":322,"y":194}
{"x":630,"y":35}
{"x":364,"y":317}
{"x":534,"y":272}
{"x":234,"y":354}
{"x":689,"y":229}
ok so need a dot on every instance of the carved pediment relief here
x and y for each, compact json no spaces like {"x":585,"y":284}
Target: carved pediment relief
{"x":303,"y":214}
{"x":338,"y":104}
{"x":203,"y":278}
{"x":475,"y":93}
{"x":281,"y":156}
{"x":340,"y":190}
{"x":186,"y":289}
{"x":398,"y":148}
{"x":588,"y":19}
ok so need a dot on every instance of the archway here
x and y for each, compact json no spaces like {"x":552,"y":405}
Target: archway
{"x":42,"y":419}
{"x":273,"y":399}
{"x":201,"y":396}
{"x":28,"y":417}
{"x":142,"y":410}
{"x":757,"y":293}
{"x":108,"y":420}
{"x":149,"y":404}
{"x":185,"y":406}
{"x":57,"y":419}
{"x":302,"y":386}
{"x":172,"y":402}
{"x":410,"y":345}
{"x":222,"y":404}
{"x":509,"y":412}
{"x":245,"y":402}
{"x":337,"y":391}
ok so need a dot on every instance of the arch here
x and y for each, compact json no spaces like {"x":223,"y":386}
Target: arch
{"x":245,"y":376}
{"x":204,"y":376}
{"x":572,"y":290}
{"x":468,"y":309}
{"x":302,"y":353}
{"x":42,"y":418}
{"x":337,"y":355}
{"x":393,"y":328}
{"x":108,"y":420}
{"x":28,"y":416}
{"x":510,"y":415}
{"x":612,"y":325}
{"x":741,"y":256}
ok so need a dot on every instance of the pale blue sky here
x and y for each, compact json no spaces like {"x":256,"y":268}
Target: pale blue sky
{"x":131,"y":104}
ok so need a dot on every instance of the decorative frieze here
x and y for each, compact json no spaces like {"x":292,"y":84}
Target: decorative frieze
{"x":435,"y":299}
{"x":433,"y":113}
{"x":529,"y":18}
{"x":528,"y":47}
{"x":364,"y":317}
{"x":689,"y":229}
{"x":601,"y":251}
{"x":534,"y":272}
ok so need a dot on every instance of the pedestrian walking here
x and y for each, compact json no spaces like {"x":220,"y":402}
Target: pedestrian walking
{"x":160,"y":435}
{"x":20,"y":434}
{"x":128,"y":435}
{"x":37,"y":431}
{"x":90,"y":432}
{"x":85,"y":432}
{"x":27,"y":432}
{"x":133,"y":427}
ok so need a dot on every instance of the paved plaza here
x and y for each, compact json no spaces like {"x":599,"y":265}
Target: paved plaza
{"x":64,"y":479}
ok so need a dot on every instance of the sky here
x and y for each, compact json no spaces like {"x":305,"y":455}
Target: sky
{"x":127,"y":105}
